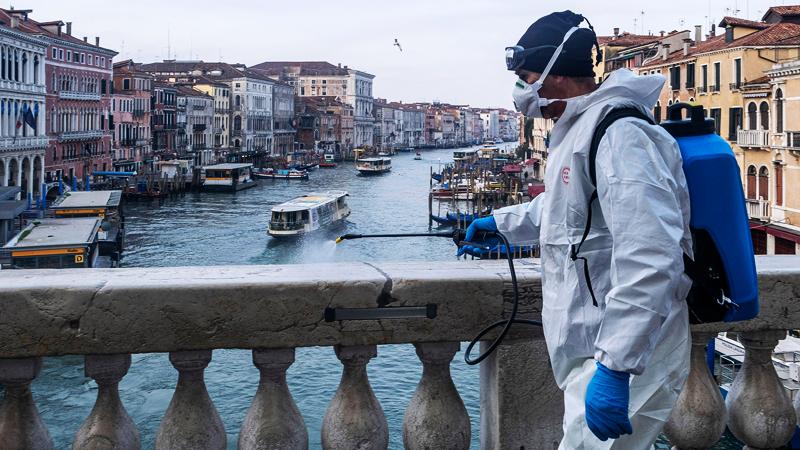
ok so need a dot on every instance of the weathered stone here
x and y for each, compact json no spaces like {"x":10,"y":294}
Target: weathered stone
{"x":108,"y":426}
{"x":191,"y":420}
{"x":354,"y":418}
{"x":436,"y":416}
{"x":21,"y":427}
{"x":521,"y":404}
{"x":698,"y":419}
{"x":759,"y":410}
{"x":273,"y":421}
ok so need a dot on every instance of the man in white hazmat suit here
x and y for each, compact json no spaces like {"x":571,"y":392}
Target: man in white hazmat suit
{"x":621,"y":363}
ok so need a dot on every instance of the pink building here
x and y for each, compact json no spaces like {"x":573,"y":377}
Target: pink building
{"x":78,"y":76}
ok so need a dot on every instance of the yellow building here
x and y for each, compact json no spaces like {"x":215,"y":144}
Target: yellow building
{"x":727,"y":75}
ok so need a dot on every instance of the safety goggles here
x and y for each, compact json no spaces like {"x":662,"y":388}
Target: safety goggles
{"x":516,"y":55}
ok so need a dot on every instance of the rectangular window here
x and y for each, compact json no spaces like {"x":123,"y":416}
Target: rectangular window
{"x":55,"y":53}
{"x":716,"y":114}
{"x":69,"y":55}
{"x":126,"y":84}
{"x":689,"y":75}
{"x":675,"y":78}
{"x":734,"y":123}
{"x":717,"y":77}
{"x":91,"y":61}
{"x":737,"y":73}
{"x":83,"y":58}
{"x":103,"y":61}
{"x":704,"y":77}
{"x":60,"y":54}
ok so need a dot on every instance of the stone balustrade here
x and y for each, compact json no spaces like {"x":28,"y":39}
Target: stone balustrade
{"x":108,"y":314}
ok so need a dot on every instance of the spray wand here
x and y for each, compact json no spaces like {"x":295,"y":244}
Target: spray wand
{"x":458,"y":237}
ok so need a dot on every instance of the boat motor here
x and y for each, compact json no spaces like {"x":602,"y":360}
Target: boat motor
{"x":429,"y":311}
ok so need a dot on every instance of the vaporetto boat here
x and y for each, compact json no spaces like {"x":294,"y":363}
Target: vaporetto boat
{"x":308,"y":213}
{"x":374,"y":166}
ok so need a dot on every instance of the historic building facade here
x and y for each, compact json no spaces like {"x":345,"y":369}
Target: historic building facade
{"x":195,"y":118}
{"x":130,"y":106}
{"x":23,"y":139}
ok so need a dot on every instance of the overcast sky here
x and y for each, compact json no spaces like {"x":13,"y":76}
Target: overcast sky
{"x":452,"y":49}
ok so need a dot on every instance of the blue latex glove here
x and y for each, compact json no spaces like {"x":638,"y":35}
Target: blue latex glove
{"x":484,"y":224}
{"x":607,"y":403}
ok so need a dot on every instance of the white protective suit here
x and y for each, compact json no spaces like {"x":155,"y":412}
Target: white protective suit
{"x":640,"y":230}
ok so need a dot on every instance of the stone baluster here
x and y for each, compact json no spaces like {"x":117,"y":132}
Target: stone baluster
{"x":436,"y":416}
{"x":21,"y":427}
{"x":273,"y":421}
{"x":354,"y":418}
{"x":759,"y":410}
{"x":698,"y":418}
{"x":191,"y":421}
{"x":108,"y":425}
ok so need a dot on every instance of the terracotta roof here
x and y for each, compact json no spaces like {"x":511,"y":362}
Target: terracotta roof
{"x":302,"y":67}
{"x":776,"y":34}
{"x":626,"y":40}
{"x":33,"y":27}
{"x":189,"y":91}
{"x":206,"y":69}
{"x":792,"y":10}
{"x":737,"y":22}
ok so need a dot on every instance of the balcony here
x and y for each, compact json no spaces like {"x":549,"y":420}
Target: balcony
{"x":106,"y":315}
{"x":80,"y":135}
{"x":199,"y":127}
{"x":138,"y":113}
{"x":752,"y":138}
{"x":75,"y":95}
{"x":22,"y":87}
{"x":758,"y":209}
{"x":141,"y":142}
{"x":715,"y":88}
{"x":702,"y":89}
{"x":735,"y":86}
{"x":22,"y":143}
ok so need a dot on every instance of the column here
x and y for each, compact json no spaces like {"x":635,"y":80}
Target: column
{"x":30,"y":174}
{"x":108,"y":425}
{"x":4,"y":178}
{"x":436,"y":416}
{"x":354,"y":418}
{"x":759,"y":410}
{"x":521,"y":405}
{"x":21,"y":427}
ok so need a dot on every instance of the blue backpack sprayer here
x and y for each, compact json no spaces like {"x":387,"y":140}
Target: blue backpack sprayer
{"x":722,"y":269}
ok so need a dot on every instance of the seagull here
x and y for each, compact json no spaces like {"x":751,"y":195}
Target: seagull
{"x":397,"y":44}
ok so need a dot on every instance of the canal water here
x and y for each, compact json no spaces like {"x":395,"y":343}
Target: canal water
{"x":226,"y":229}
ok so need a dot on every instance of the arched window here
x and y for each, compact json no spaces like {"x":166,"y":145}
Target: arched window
{"x":763,"y":110}
{"x":763,"y":183}
{"x":237,"y":123}
{"x":36,"y":69}
{"x":779,"y":111}
{"x":752,"y":116}
{"x":751,"y":182}
{"x":238,"y":101}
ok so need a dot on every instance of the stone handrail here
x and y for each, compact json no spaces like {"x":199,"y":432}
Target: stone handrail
{"x":107,"y":314}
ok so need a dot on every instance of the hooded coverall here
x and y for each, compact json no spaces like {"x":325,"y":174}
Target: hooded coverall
{"x":639,"y":232}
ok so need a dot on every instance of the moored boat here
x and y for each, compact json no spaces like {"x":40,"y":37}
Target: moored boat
{"x":281,"y":174}
{"x":418,"y":156}
{"x":308,"y":213}
{"x":228,"y":177}
{"x":374,"y":166}
{"x":56,"y":244}
{"x":328,"y":161}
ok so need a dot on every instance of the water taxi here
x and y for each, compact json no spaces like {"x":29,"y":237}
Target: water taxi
{"x":467,"y":156}
{"x":105,"y":205}
{"x":281,"y":174}
{"x":418,"y":156}
{"x":56,"y":244}
{"x":228,"y":177}
{"x":328,"y":161}
{"x":374,"y":166}
{"x":308,"y":213}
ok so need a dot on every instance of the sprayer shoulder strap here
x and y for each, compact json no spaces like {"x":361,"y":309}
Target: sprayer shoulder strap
{"x":599,"y":132}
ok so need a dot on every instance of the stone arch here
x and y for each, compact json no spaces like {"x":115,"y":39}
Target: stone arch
{"x":13,"y":172}
{"x":26,"y":175}
{"x":2,"y":172}
{"x":38,"y":166}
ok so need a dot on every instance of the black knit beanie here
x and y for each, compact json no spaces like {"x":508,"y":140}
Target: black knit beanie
{"x":547,"y":33}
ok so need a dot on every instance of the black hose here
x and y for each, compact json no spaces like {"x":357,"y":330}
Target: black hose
{"x":506,"y":323}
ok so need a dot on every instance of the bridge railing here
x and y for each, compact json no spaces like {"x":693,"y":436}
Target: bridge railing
{"x":108,"y":314}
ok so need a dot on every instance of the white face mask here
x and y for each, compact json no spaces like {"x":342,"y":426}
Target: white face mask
{"x":526,"y":96}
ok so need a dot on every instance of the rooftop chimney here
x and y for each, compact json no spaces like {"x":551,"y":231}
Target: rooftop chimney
{"x":662,"y":32}
{"x":713,"y":30}
{"x":616,"y":31}
{"x":97,"y":41}
{"x":698,"y":34}
{"x":69,"y":28}
{"x":665,"y":55}
{"x":85,"y":39}
{"x":14,"y":22}
{"x":686,"y":43}
{"x":340,"y":65}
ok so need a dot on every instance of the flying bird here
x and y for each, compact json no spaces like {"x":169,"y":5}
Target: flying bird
{"x":397,"y":44}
